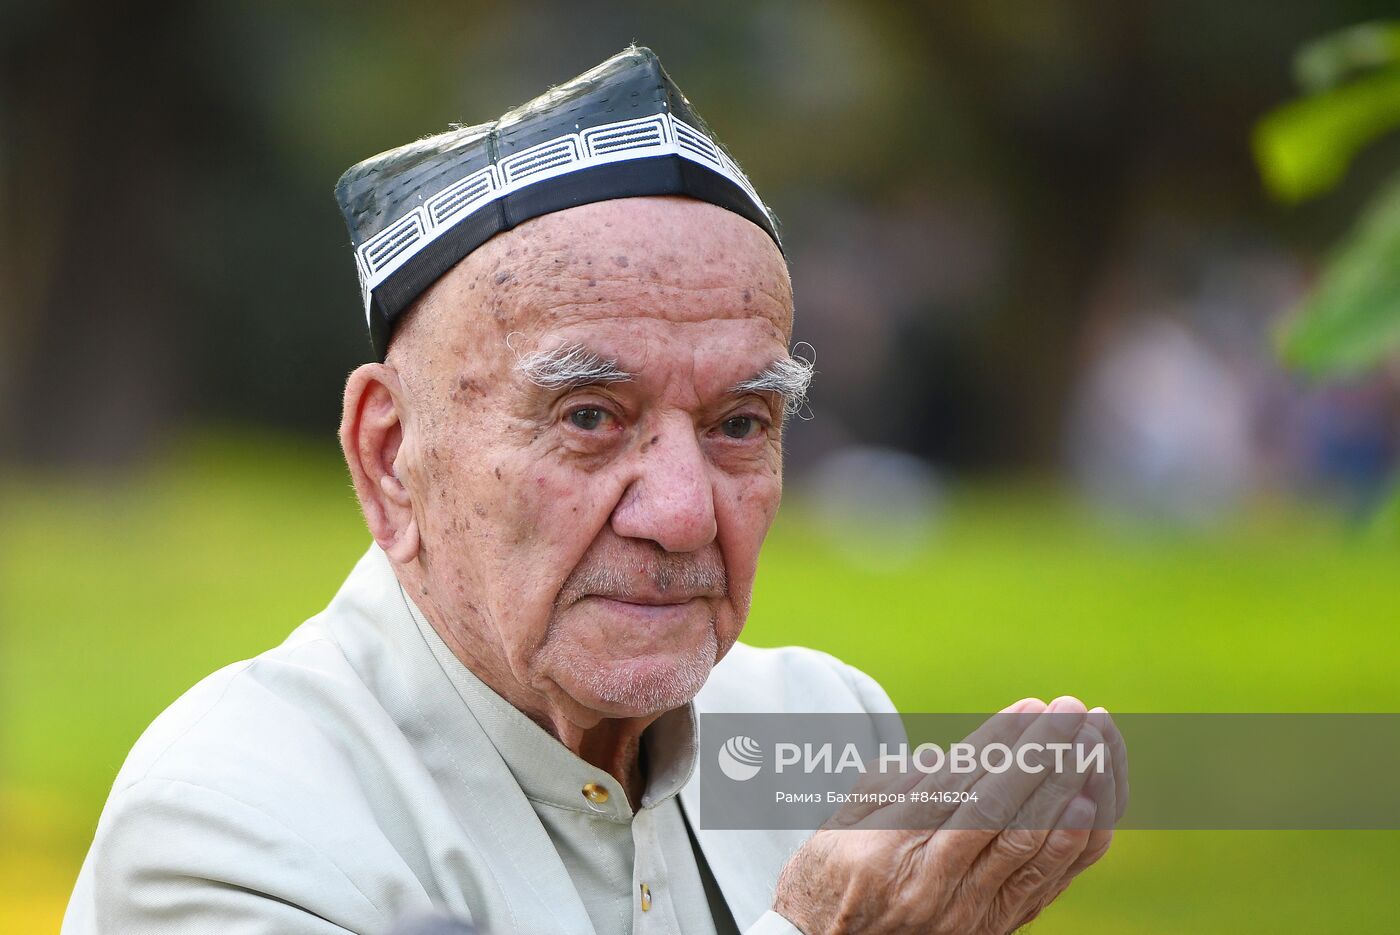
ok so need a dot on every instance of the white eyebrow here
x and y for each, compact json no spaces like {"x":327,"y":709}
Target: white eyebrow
{"x":788,"y":376}
{"x":568,"y":366}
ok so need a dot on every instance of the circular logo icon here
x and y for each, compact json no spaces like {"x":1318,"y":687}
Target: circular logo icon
{"x":740,"y":758}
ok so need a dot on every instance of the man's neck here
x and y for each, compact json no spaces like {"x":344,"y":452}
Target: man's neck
{"x":611,"y":744}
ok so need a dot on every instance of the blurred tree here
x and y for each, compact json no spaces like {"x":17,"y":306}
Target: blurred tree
{"x":102,"y":124}
{"x":1350,"y":321}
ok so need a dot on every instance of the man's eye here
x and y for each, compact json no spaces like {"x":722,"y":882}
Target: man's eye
{"x":739,"y":426}
{"x":589,"y":418}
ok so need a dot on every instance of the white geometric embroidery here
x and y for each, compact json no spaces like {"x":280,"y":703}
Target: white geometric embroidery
{"x":697,"y":144}
{"x":629,"y":134}
{"x":394,"y":240}
{"x":446,"y":203}
{"x":531,"y":162}
{"x":642,"y":138}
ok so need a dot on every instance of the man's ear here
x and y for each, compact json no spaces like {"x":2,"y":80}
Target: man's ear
{"x":371,"y":433}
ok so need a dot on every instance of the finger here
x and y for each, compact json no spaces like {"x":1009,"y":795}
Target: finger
{"x":1001,"y":795}
{"x":921,"y":816}
{"x":1004,"y":855}
{"x":1099,"y":841}
{"x":1024,"y":836}
{"x":1032,"y":887}
{"x":931,"y":811}
{"x":1045,"y":806}
{"x":1101,"y":789}
{"x":1118,"y":753}
{"x":1095,"y":849}
{"x":998,"y":797}
{"x":863,"y":804}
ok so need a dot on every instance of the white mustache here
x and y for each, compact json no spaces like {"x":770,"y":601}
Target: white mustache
{"x":664,"y":575}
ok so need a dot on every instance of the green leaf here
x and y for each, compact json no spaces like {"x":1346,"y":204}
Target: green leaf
{"x":1304,"y":147}
{"x":1351,"y":320}
{"x":1327,"y":62}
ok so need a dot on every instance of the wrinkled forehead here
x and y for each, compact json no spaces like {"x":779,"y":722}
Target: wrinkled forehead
{"x":643,"y":249}
{"x":628,"y":273}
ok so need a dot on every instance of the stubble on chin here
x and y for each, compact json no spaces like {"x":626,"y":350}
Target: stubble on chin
{"x":639,"y":685}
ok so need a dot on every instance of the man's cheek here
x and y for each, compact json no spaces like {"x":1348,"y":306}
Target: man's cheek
{"x":554,"y":505}
{"x":448,"y":519}
{"x":756,"y":500}
{"x":747,"y":512}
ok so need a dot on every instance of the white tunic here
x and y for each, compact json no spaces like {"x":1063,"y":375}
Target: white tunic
{"x":359,"y":772}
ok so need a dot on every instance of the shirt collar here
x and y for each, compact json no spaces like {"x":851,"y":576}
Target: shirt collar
{"x":549,"y":772}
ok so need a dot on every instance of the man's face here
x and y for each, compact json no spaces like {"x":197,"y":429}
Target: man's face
{"x":592,"y":490}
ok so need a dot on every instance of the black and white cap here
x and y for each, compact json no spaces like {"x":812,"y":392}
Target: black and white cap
{"x":621,"y":130}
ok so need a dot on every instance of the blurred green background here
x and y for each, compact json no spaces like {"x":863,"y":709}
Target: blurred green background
{"x":1052,"y":448}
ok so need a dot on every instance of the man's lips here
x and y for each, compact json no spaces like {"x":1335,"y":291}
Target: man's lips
{"x":649,"y":600}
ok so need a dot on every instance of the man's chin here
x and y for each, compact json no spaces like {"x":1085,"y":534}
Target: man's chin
{"x":638,"y":686}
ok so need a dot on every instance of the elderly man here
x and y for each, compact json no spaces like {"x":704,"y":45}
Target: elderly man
{"x":568,"y":456}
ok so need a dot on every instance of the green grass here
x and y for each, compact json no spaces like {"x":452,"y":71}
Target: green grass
{"x":114,"y":598}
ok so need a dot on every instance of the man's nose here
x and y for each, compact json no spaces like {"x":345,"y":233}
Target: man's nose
{"x":670,"y":499}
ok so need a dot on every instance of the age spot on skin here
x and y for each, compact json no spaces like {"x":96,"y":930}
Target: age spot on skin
{"x":622,"y":261}
{"x":479,"y":510}
{"x":466,"y":386}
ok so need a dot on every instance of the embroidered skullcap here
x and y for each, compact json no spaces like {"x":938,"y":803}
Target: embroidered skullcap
{"x":620,"y":130}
